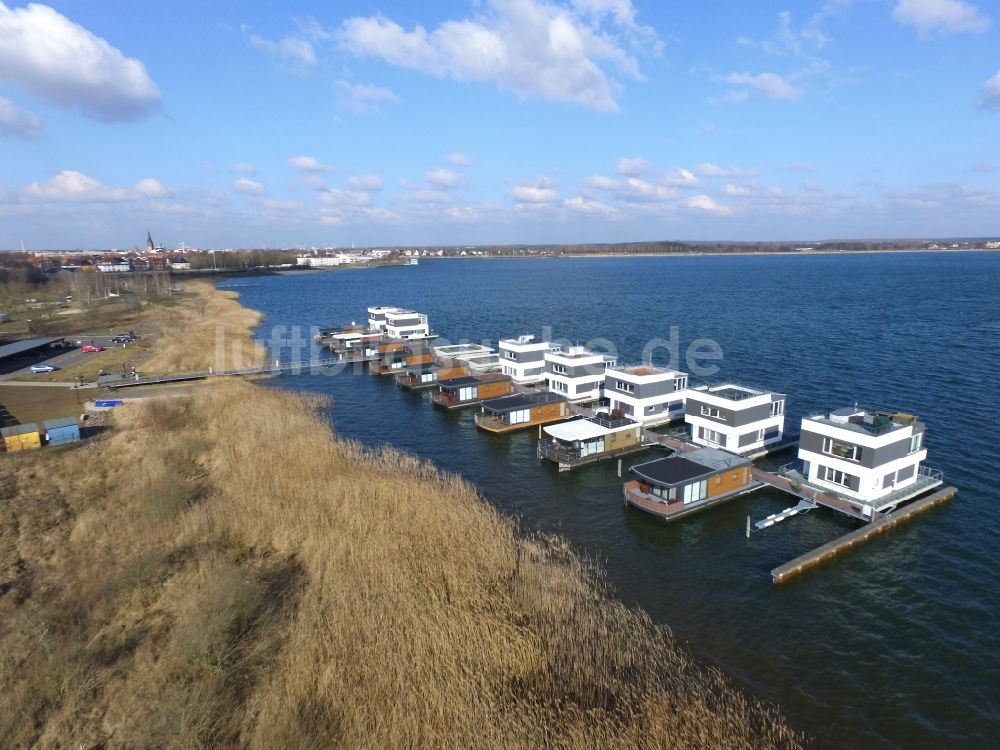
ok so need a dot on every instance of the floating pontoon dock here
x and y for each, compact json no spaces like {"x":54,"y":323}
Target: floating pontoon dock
{"x":803,"y":562}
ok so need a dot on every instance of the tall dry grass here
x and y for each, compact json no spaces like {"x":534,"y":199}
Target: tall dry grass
{"x":206,"y":328}
{"x":223,"y":571}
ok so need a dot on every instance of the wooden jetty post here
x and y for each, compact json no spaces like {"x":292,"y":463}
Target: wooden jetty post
{"x":803,"y":562}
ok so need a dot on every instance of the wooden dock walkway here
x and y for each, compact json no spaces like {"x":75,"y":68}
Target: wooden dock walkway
{"x":115,"y":382}
{"x":888,"y":521}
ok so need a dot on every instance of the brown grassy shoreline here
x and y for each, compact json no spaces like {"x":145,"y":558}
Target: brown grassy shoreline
{"x":221,"y":570}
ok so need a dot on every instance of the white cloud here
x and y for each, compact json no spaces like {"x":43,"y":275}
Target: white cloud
{"x":150,"y":188}
{"x":308,"y":164}
{"x":945,"y":16}
{"x":365,"y":183}
{"x":45,"y":54}
{"x":244,"y":168}
{"x":632,"y":166}
{"x":74,"y":186}
{"x":538,"y":193}
{"x":537,"y":49}
{"x":288,"y":49}
{"x":363,"y":98}
{"x":770,"y":85}
{"x":17,"y":123}
{"x":706,"y":204}
{"x":679,"y":177}
{"x":989,"y":97}
{"x":350,"y":198}
{"x":248,"y":187}
{"x":737,"y":191}
{"x":581,"y":205}
{"x":459,"y":160}
{"x":631,"y":189}
{"x":443,"y":178}
{"x":708,"y":169}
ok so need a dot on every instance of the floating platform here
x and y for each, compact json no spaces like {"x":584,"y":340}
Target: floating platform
{"x":888,"y":521}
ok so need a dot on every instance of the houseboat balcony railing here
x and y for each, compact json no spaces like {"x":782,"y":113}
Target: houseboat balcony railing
{"x":560,"y":453}
{"x":446,"y":399}
{"x":743,"y":391}
{"x":935,"y":475}
{"x":606,"y":420}
{"x":491,"y":421}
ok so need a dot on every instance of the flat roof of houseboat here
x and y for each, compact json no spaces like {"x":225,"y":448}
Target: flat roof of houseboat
{"x":586,"y":429}
{"x":733,"y":391}
{"x":644,"y":370}
{"x":459,"y":382}
{"x":521,"y":401}
{"x":677,"y":468}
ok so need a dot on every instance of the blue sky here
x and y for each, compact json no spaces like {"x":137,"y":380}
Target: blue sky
{"x":497,"y":121}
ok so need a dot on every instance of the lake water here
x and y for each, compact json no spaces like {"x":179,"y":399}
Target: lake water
{"x":895,"y":644}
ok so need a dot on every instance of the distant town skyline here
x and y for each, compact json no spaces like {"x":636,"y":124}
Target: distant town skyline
{"x":496,"y":122}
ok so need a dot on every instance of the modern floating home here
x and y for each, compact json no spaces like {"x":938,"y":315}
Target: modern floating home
{"x":454,"y":393}
{"x":577,"y":374}
{"x":870,"y":459}
{"x":523,"y":358}
{"x":649,"y":395}
{"x":522,"y":411}
{"x":416,"y":377}
{"x":399,"y":324}
{"x":353,"y":343}
{"x":21,"y":437}
{"x":61,"y":431}
{"x":738,"y":419}
{"x":584,"y":441}
{"x":476,"y":357}
{"x":684,"y":483}
{"x":401,"y":356}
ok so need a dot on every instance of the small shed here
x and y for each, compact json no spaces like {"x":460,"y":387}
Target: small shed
{"x":21,"y":437}
{"x":62,"y":430}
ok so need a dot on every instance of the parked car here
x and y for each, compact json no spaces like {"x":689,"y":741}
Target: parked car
{"x":42,"y":369}
{"x":91,"y":348}
{"x":122,"y":339}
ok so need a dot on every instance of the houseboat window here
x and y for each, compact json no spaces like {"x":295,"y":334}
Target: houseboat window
{"x":711,"y":436}
{"x":680,"y":384}
{"x":777,"y":408}
{"x":915,"y":442}
{"x":760,"y":435}
{"x":625,"y":387}
{"x":888,"y":480}
{"x":520,"y":416}
{"x":695,"y":491}
{"x":510,"y":355}
{"x":836,"y":476}
{"x":559,"y":369}
{"x":557,"y":385}
{"x":709,"y":411}
{"x":468,"y":393}
{"x":841,"y":450}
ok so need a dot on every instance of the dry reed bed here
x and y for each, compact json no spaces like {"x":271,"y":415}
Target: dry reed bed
{"x":224,"y":571}
{"x":207,"y":328}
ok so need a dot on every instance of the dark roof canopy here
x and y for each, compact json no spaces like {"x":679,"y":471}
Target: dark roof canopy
{"x":521,"y":401}
{"x":671,"y":470}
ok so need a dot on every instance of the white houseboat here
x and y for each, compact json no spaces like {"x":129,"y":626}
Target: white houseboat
{"x":523,"y":358}
{"x":577,"y":374}
{"x":399,"y":324}
{"x":649,"y":395}
{"x":583,"y":441}
{"x":868,"y":458}
{"x":738,"y":419}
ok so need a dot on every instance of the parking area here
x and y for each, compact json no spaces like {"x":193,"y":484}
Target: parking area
{"x":69,"y":359}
